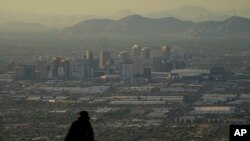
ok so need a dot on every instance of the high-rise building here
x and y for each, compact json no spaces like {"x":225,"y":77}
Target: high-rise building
{"x":42,"y":69}
{"x":137,"y":65}
{"x":136,"y":51}
{"x":145,"y":53}
{"x":137,"y":60}
{"x":104,"y":59}
{"x":60,"y":68}
{"x":90,"y":61}
{"x":147,"y":73}
{"x":89,"y":56}
{"x":157,"y":64}
{"x":25,"y":72}
{"x":127,"y":70}
{"x":66,"y":69}
{"x":96,"y":64}
{"x":123,"y":55}
{"x":56,"y":63}
{"x":79,"y":69}
{"x":166,"y":52}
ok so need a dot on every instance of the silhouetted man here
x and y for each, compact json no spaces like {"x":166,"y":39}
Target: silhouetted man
{"x":81,"y":129}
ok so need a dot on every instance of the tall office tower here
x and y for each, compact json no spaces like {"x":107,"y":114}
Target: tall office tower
{"x":136,"y":51}
{"x":104,"y":58}
{"x":90,"y":62}
{"x":60,"y":68}
{"x":96,"y":64}
{"x":147,"y":73}
{"x":66,"y":69}
{"x":79,"y":69}
{"x":127,"y":70}
{"x":145,"y":53}
{"x":56,"y":63}
{"x":157,"y":64}
{"x":41,"y":69}
{"x":25,"y":72}
{"x":137,"y":65}
{"x":123,"y":55}
{"x":166,"y":52}
{"x":89,"y":56}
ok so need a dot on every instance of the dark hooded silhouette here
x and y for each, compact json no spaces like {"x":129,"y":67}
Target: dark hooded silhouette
{"x":81,"y":129}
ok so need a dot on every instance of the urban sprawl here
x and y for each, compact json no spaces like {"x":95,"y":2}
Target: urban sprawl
{"x":142,"y":94}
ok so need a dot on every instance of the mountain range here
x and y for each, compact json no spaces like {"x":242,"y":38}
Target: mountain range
{"x":138,"y":25}
{"x":190,"y":13}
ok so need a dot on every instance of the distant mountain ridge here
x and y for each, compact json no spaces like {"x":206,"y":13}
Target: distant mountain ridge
{"x":139,"y":25}
{"x":136,"y":24}
{"x":233,"y":26}
{"x":191,"y":13}
{"x":90,"y":26}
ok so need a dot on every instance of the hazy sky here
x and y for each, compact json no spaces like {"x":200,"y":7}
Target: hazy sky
{"x":104,"y":7}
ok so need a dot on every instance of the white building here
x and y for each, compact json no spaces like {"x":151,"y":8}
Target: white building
{"x":213,"y":110}
{"x":216,"y":98}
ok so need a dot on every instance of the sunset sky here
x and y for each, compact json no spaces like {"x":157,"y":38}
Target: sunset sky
{"x":102,"y":7}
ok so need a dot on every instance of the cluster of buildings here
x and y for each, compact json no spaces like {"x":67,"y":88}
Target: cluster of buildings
{"x":140,"y":65}
{"x":58,"y":69}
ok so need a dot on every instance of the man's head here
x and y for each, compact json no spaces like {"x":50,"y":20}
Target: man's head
{"x":84,"y":115}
